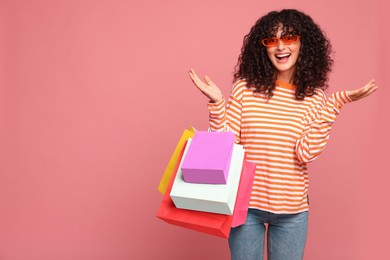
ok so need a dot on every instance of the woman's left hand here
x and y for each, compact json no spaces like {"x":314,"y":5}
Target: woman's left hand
{"x":363,"y":92}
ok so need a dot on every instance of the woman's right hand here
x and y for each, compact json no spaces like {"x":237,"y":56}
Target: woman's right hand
{"x":208,"y":88}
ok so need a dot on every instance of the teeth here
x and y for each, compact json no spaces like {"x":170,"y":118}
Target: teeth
{"x":282,"y":55}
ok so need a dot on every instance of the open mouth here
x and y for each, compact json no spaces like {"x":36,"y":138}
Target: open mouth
{"x":283,"y":57}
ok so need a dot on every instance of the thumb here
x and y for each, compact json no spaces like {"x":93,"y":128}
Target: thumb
{"x":208,"y":80}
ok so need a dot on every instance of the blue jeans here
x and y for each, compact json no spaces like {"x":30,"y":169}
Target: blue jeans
{"x":286,"y":236}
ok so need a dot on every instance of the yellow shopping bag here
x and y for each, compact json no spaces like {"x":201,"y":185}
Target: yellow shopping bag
{"x":162,"y":187}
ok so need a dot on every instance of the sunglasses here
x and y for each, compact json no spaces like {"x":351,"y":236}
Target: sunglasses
{"x":288,"y":39}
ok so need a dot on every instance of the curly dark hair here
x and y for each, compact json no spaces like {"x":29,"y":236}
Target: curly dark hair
{"x":312,"y":67}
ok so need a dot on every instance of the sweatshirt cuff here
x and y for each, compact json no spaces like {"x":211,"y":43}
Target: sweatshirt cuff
{"x":341,"y":98}
{"x":216,"y":106}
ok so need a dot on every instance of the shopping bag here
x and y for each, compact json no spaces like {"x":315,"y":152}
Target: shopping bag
{"x":215,"y":198}
{"x":244,"y":194}
{"x":169,"y":170}
{"x":205,"y":222}
{"x":208,"y":159}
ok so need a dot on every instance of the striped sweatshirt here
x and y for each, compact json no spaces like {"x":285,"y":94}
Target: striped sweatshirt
{"x":281,"y":135}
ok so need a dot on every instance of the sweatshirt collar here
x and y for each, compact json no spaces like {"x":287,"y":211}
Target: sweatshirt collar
{"x":285,"y":85}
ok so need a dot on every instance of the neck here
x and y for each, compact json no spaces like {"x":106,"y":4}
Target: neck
{"x":286,"y":76}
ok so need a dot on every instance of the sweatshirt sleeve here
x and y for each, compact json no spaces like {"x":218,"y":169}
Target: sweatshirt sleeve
{"x":226,"y":115}
{"x":318,"y":124}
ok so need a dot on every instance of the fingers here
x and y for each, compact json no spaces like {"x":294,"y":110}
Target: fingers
{"x":368,"y":89}
{"x":363,"y":92}
{"x":208,"y":80}
{"x":197,"y":81}
{"x":208,"y":88}
{"x":193,"y":75}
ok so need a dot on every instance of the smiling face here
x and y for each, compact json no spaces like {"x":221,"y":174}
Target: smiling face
{"x":284,"y":57}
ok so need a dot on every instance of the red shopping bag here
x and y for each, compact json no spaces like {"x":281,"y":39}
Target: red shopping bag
{"x":209,"y":223}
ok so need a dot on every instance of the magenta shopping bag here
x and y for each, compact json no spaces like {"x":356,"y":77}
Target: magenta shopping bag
{"x":208,"y":158}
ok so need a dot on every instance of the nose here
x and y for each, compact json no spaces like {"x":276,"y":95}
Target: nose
{"x":280,"y":45}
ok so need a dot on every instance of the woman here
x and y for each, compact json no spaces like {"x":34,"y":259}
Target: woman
{"x":279,"y":113}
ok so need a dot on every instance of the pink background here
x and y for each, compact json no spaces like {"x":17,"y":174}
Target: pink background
{"x":95,"y":94}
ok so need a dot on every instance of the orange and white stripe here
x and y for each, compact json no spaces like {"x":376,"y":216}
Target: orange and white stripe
{"x":280,"y":135}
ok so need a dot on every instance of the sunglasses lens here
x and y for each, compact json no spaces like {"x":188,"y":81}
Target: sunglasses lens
{"x":290,"y":39}
{"x":270,"y":41}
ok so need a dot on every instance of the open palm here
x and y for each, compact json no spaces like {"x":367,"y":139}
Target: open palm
{"x":208,"y":88}
{"x":363,"y":92}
